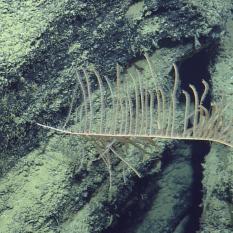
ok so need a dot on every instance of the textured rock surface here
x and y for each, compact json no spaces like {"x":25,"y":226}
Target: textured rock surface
{"x":218,"y":167}
{"x":173,"y":199}
{"x":52,"y":183}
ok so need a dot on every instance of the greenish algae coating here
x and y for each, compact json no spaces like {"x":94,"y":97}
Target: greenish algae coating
{"x":22,"y":23}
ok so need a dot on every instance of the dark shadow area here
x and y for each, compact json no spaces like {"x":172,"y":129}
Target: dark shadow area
{"x":138,"y":203}
{"x":193,"y":70}
{"x":199,"y":150}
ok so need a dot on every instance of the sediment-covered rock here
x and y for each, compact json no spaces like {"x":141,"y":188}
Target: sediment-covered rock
{"x":52,"y":183}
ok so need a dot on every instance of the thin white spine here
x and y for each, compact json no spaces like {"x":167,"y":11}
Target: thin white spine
{"x":122,"y":136}
{"x":119,"y":96}
{"x":127,"y":163}
{"x":175,"y":88}
{"x":130,"y":109}
{"x":89,"y":98}
{"x":151,"y":110}
{"x":163,"y":113}
{"x":142,"y":102}
{"x":146,"y":111}
{"x":113,"y":102}
{"x":80,"y":118}
{"x":159,"y":107}
{"x":137,"y":102}
{"x":102,"y":111}
{"x":196,"y":104}
{"x":187,"y":109}
{"x":126,"y":109}
{"x":205,"y":92}
{"x":84,"y":100}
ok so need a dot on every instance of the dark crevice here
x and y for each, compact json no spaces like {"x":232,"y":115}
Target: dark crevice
{"x":199,"y":149}
{"x":137,"y":204}
{"x":192,"y":71}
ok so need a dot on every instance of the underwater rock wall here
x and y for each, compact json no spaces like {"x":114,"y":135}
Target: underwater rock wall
{"x":51,"y":183}
{"x":217,"y":213}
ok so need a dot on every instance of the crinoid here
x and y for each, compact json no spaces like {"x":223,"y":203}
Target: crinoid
{"x":130,"y":112}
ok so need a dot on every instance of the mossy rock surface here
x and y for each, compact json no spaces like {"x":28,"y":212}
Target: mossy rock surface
{"x":218,"y":182}
{"x":49,"y":183}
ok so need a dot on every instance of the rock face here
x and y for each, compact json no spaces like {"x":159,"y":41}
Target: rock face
{"x":217,"y":183}
{"x":53,"y":183}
